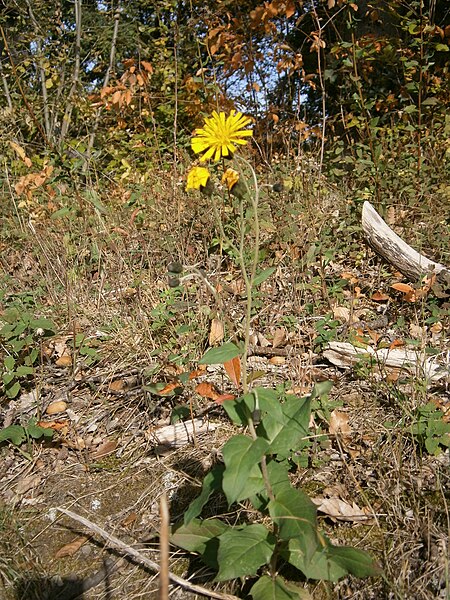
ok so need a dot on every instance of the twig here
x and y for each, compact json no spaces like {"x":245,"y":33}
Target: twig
{"x":164,"y":549}
{"x":130,"y":551}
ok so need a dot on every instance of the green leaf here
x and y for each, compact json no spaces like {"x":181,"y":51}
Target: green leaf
{"x":13,"y":433}
{"x":313,"y":560}
{"x":62,"y":212}
{"x":294,"y":513}
{"x":242,"y":477}
{"x":43,"y":323}
{"x":354,"y":561}
{"x":263,"y":275}
{"x":211,"y":483}
{"x":241,"y":409}
{"x":278,"y":473}
{"x":242,"y":551}
{"x":13,"y":390}
{"x":22,"y":371}
{"x":219,"y":356}
{"x":442,"y":47}
{"x":10,"y":362}
{"x":92,"y":197}
{"x":37,"y":432}
{"x":201,"y":537}
{"x":285,"y":429}
{"x":277,"y":588}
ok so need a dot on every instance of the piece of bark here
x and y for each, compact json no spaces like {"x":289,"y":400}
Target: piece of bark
{"x":182,"y":433}
{"x":344,"y":354}
{"x":393,"y":249}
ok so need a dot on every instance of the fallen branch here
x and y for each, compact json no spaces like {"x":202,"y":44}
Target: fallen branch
{"x":345,"y":355}
{"x":393,"y":249}
{"x":114,"y":542}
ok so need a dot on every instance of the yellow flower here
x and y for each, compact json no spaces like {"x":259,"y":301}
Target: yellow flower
{"x":221,"y":135}
{"x":197,"y":178}
{"x":230,"y":178}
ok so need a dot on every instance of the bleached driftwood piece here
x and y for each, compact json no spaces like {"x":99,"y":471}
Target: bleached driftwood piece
{"x":344,"y":354}
{"x":182,"y":433}
{"x":393,"y":249}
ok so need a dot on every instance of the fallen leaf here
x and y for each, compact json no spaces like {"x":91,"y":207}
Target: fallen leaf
{"x":64,"y":361}
{"x":27,"y":483}
{"x":216,"y":332}
{"x":350,"y":277}
{"x":105,"y":448}
{"x":277,"y":360}
{"x":197,"y":373}
{"x":342,"y":313}
{"x":391,"y":216}
{"x":279,"y":337}
{"x":221,"y":399}
{"x":233,"y":370}
{"x":417,"y":331}
{"x":56,"y":407}
{"x":129,"y":520}
{"x":207,"y":390}
{"x":169,"y":388}
{"x":380,"y":297}
{"x":339,"y":423}
{"x":117,"y":385}
{"x":340,"y":510}
{"x":72,"y":547}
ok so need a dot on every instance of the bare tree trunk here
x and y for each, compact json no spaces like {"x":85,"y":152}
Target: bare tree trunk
{"x":393,"y":249}
{"x":41,"y":71}
{"x":76,"y":75}
{"x":112,"y":56}
{"x":6,"y":87}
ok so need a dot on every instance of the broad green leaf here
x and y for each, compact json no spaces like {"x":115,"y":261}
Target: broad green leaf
{"x":10,"y":362}
{"x":240,"y":410}
{"x":43,"y":323}
{"x":354,"y":561}
{"x":242,"y":551}
{"x":194,"y":536}
{"x":212,"y":482}
{"x":37,"y":432}
{"x":313,"y":562}
{"x":279,"y":480}
{"x":13,"y":433}
{"x":321,"y":389}
{"x":12,"y":390}
{"x":22,"y":371}
{"x":242,"y":477}
{"x":277,"y":588}
{"x":62,"y":212}
{"x":263,"y":275}
{"x":287,"y":426}
{"x":294,"y":513}
{"x":218,"y":356}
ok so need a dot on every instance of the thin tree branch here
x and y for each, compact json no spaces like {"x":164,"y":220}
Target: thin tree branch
{"x":6,"y":87}
{"x":76,"y":75}
{"x":114,"y":542}
{"x":112,"y":56}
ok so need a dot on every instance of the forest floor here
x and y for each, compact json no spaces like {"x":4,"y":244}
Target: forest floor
{"x":110,"y":372}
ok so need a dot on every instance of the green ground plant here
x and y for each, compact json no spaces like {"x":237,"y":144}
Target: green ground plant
{"x":256,"y":463}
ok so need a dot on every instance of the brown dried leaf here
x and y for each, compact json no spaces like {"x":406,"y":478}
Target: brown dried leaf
{"x":56,"y":407}
{"x":340,"y":510}
{"x":279,"y":337}
{"x":105,"y":448}
{"x":64,"y":361}
{"x":72,"y":547}
{"x":233,"y":370}
{"x":216,"y":332}
{"x":339,"y":423}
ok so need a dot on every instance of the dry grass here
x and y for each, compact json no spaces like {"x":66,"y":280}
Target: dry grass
{"x":95,"y":272}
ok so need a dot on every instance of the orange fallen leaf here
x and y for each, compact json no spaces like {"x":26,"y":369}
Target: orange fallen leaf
{"x":221,"y":399}
{"x":117,"y":385}
{"x":233,"y":370}
{"x":55,"y":425}
{"x":64,"y":361}
{"x":207,"y":390}
{"x":129,"y":520}
{"x":169,"y":388}
{"x":396,"y":344}
{"x":216,"y":332}
{"x":380,"y":297}
{"x":72,"y":547}
{"x":197,"y":373}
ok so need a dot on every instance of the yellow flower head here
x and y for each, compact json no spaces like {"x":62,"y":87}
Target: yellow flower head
{"x":230,"y":178}
{"x":197,"y":178}
{"x":221,"y":135}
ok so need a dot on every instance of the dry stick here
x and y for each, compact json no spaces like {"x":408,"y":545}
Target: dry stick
{"x":114,"y":542}
{"x":164,"y":549}
{"x":76,"y":75}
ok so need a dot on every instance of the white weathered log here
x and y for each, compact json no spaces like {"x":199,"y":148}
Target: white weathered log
{"x":393,"y":249}
{"x":182,"y":433}
{"x":344,"y":354}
